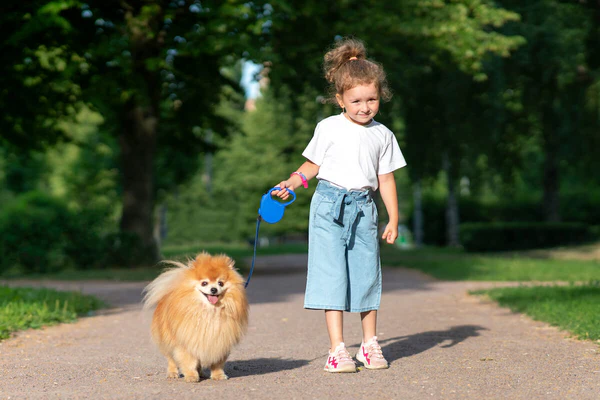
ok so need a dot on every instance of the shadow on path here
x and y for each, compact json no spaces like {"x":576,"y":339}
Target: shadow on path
{"x":410,"y":345}
{"x":261,"y":366}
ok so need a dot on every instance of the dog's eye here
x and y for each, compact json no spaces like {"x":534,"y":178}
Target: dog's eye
{"x":204,"y":283}
{"x":221,"y":283}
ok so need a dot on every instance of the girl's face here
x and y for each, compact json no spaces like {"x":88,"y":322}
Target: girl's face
{"x":361,"y":103}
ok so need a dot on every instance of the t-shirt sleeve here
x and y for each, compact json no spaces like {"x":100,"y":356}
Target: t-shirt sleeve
{"x":317,"y":147}
{"x":391,"y":157}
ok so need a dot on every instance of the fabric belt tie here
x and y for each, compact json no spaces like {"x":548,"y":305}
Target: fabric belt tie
{"x":347,"y":203}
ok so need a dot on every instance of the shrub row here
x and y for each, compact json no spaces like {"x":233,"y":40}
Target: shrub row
{"x":574,"y":208}
{"x":40,"y":234}
{"x":483,"y":237}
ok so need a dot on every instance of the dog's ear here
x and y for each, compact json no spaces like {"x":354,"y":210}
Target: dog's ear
{"x":225,"y":259}
{"x":231,"y":263}
{"x":202,"y":257}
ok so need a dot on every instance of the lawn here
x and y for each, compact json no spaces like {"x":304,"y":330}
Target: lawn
{"x":574,"y":308}
{"x":441,"y":263}
{"x":456,"y":265}
{"x":24,"y":308}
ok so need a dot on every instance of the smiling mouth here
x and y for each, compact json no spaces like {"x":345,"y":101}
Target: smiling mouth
{"x":211,"y":298}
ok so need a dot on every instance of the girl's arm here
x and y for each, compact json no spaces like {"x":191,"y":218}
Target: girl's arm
{"x":387,"y":188}
{"x":309,"y":169}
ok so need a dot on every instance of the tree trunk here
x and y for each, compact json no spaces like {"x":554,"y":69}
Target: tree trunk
{"x":452,"y":219}
{"x":138,"y":136}
{"x":551,"y":176}
{"x":138,"y":145}
{"x":418,"y":214}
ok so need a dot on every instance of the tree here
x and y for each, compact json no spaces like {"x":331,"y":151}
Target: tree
{"x":152,"y":69}
{"x":551,"y":74}
{"x":415,"y":41}
{"x":268,"y":147}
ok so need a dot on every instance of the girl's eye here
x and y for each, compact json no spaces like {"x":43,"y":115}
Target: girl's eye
{"x":221,"y":283}
{"x":204,"y":283}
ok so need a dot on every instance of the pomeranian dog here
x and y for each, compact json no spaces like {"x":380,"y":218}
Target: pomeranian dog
{"x":201,"y":313}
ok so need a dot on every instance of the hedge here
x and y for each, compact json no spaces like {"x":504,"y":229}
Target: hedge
{"x":481,"y":237}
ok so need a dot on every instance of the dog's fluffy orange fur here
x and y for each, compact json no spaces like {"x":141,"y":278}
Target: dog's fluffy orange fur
{"x":201,"y":313}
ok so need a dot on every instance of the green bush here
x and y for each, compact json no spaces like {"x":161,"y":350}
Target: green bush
{"x":85,"y":246}
{"x":39,"y":234}
{"x":575,"y":207}
{"x":121,"y":249}
{"x":595,"y":232}
{"x":581,"y":207}
{"x":33,"y":233}
{"x":520,"y":236}
{"x":472,"y":210}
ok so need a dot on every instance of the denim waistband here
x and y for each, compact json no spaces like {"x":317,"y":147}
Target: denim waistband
{"x":344,"y":201}
{"x":329,"y":189}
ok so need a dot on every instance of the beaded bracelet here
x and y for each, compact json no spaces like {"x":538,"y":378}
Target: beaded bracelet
{"x":302,"y":177}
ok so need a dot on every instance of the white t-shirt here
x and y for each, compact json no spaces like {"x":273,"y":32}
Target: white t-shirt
{"x":351,"y":155}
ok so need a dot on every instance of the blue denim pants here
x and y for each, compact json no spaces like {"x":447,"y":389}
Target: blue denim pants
{"x":344,"y":271}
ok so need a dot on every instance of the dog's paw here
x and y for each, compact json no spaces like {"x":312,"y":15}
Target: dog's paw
{"x":218,"y":376}
{"x":172,"y":374}
{"x":192,"y":378}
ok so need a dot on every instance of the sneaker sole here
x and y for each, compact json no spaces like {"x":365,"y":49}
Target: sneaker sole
{"x":337,"y":371}
{"x":381,"y":367}
{"x":363,"y":362}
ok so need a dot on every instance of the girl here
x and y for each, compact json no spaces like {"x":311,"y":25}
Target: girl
{"x":351,"y":155}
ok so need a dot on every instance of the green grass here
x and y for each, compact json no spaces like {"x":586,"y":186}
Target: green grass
{"x":574,"y":308}
{"x":24,"y":308}
{"x":456,"y":265}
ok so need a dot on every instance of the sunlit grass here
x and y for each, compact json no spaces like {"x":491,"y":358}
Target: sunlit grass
{"x":24,"y":308}
{"x":441,"y":263}
{"x":457,"y":265}
{"x":574,"y":308}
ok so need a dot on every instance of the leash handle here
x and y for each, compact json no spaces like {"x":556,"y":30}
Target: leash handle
{"x":270,"y":211}
{"x":290,"y":191}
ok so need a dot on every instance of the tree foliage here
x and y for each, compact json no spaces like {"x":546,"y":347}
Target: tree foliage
{"x":153,"y":70}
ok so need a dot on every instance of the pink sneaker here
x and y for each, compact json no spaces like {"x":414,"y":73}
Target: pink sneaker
{"x":339,"y":360}
{"x":371,"y":356}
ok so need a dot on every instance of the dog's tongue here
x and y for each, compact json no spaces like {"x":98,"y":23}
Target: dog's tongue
{"x":213,"y":299}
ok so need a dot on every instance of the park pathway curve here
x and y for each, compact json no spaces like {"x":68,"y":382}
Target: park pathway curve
{"x":441,"y":342}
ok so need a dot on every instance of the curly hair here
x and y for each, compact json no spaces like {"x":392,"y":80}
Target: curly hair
{"x":346,"y":66}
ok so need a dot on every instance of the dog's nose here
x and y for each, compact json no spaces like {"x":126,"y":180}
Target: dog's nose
{"x":213,"y":290}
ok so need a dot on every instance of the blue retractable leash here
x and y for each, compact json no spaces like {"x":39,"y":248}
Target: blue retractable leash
{"x":270,"y":211}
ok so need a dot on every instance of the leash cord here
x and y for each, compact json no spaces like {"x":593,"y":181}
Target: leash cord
{"x":254,"y":256}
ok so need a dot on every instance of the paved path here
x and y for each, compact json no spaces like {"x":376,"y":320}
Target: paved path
{"x":441,"y":342}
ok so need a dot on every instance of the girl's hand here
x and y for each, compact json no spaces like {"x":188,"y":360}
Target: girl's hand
{"x":283,"y":194}
{"x":390,"y":234}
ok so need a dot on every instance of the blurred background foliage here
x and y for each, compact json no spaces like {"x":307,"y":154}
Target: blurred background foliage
{"x":125,"y":127}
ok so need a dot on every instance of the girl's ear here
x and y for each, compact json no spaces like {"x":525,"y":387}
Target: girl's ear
{"x":338,"y":97}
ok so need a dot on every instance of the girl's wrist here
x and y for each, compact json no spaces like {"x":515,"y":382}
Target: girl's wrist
{"x":293,"y":183}
{"x":302,"y":177}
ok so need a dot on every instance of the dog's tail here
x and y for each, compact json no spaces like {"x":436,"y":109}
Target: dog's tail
{"x":164,"y":283}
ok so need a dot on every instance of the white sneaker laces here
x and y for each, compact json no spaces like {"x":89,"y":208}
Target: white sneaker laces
{"x":374,"y":348}
{"x":343,"y":354}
